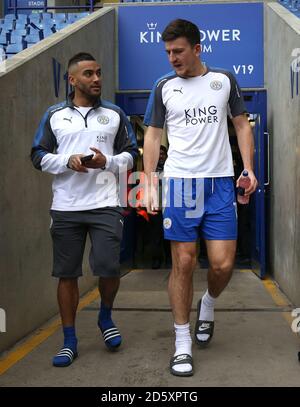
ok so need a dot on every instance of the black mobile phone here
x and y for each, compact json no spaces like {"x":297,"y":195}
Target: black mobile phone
{"x":86,"y":158}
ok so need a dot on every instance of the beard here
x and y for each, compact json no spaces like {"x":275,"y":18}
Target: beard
{"x":89,"y":93}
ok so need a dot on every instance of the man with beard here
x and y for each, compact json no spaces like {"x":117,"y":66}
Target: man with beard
{"x":83,"y":201}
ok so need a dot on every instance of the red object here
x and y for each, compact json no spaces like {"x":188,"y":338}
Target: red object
{"x":143,"y":213}
{"x":244,"y":183}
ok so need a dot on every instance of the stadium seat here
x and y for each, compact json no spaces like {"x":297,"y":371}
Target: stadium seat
{"x":3,"y":39}
{"x":72,"y":17}
{"x":33,"y":30}
{"x":20,"y":25}
{"x":59,"y":17}
{"x":46,"y":16}
{"x":16,"y":39}
{"x":4,"y":31}
{"x":47,"y":33}
{"x":19,"y":32}
{"x":14,"y":48}
{"x":9,"y":17}
{"x":60,"y":26}
{"x":32,"y":38}
{"x":34,"y":18}
{"x":82,"y":15}
{"x":8,"y":25}
{"x":22,"y":18}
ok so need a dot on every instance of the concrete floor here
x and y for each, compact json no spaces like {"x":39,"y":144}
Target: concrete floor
{"x":253,"y":343}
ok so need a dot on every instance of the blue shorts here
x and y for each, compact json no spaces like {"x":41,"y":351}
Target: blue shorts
{"x":199,"y":207}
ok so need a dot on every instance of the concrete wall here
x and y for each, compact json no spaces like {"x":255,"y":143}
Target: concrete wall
{"x":282,"y":36}
{"x":27,"y":290}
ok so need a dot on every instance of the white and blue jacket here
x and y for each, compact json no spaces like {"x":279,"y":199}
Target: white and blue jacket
{"x":64,"y":131}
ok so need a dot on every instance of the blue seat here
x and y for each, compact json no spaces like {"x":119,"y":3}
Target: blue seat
{"x":84,"y":14}
{"x":22,"y":18}
{"x":32,"y":38}
{"x":59,"y":17}
{"x":8,"y":25}
{"x":72,"y":17}
{"x":48,"y":24}
{"x":4,"y":31}
{"x":16,"y":39}
{"x":34,"y":17}
{"x":19,"y":32}
{"x":14,"y":48}
{"x":34,"y":30}
{"x":60,"y":26}
{"x":3,"y":39}
{"x":39,"y":27}
{"x":9,"y":17}
{"x":46,"y":16}
{"x":58,"y":21}
{"x":47,"y":33}
{"x":20,"y":25}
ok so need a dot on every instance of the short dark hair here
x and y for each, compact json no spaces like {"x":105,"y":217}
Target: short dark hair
{"x":182,"y":28}
{"x":81,"y":56}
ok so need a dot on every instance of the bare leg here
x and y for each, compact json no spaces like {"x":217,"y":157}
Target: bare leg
{"x":68,"y":298}
{"x":181,"y":280}
{"x":221,"y":255}
{"x":108,"y":288}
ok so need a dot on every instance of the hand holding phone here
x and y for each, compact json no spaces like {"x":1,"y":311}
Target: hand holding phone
{"x":86,"y":158}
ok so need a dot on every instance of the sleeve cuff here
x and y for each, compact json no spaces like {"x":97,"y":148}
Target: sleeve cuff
{"x":108,"y":162}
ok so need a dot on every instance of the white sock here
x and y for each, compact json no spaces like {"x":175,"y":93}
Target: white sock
{"x":206,"y":312}
{"x":183,"y":345}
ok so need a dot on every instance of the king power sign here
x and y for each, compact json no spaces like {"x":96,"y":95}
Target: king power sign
{"x":231,"y":38}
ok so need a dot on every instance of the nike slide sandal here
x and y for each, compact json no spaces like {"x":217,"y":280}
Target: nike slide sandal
{"x":180,"y":360}
{"x":203,"y":328}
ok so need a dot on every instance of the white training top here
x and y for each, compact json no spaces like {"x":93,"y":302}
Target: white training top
{"x":66,"y":129}
{"x":194,"y":111}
